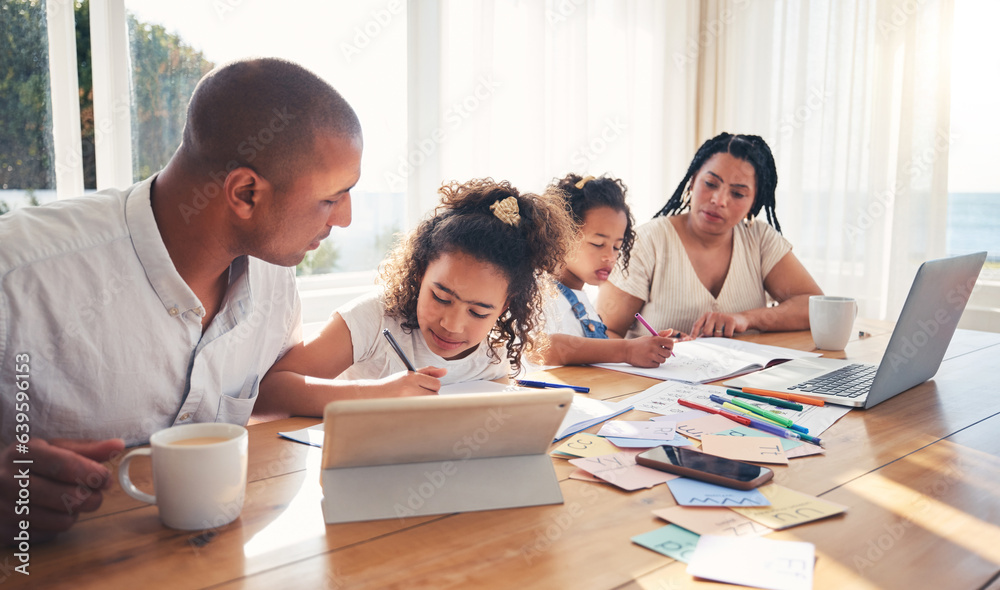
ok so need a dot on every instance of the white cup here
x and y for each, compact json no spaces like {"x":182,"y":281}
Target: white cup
{"x":199,"y":483}
{"x":831,"y":320}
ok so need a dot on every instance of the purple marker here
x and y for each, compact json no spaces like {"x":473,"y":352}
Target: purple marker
{"x":650,"y":328}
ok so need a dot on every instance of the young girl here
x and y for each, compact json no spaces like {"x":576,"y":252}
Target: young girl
{"x":460,"y":297}
{"x":604,"y":226}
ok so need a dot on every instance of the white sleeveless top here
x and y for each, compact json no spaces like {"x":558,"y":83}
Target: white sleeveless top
{"x":660,"y":273}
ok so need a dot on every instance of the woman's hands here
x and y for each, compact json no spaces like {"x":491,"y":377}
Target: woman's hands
{"x":721,"y":325}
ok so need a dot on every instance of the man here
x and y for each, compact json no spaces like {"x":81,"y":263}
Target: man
{"x":129,"y":311}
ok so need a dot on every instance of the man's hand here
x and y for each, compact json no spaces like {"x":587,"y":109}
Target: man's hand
{"x":65,"y":477}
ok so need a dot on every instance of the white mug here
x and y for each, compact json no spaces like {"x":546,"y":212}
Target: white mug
{"x":831,"y":320}
{"x":199,"y":474}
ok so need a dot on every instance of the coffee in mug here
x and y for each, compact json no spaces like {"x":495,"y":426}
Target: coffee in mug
{"x":831,"y":320}
{"x":199,"y":474}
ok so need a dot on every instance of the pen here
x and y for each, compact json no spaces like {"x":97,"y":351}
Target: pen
{"x":750,"y":415}
{"x":399,"y":351}
{"x":735,"y":418}
{"x":526,"y":383}
{"x":802,"y":399}
{"x":759,"y":423}
{"x":769,"y":415}
{"x":650,"y":328}
{"x":767,"y":400}
{"x":759,"y":413}
{"x":783,"y":433}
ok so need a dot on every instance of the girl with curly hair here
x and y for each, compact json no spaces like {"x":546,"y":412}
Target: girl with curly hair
{"x":461,"y":296}
{"x":576,"y":334}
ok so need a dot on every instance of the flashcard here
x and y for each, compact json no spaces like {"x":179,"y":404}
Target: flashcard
{"x":584,"y":444}
{"x":745,"y":448}
{"x":671,"y":540}
{"x":752,"y":561}
{"x":789,"y":508}
{"x":691,"y":492}
{"x":644,"y":429}
{"x":622,"y":470}
{"x":712,"y":521}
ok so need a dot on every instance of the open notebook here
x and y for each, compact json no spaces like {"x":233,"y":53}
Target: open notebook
{"x":710,"y":359}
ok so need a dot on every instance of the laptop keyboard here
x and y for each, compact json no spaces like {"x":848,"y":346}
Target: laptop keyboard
{"x":850,"y":381}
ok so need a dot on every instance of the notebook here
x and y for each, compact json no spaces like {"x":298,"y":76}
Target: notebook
{"x":916,"y":348}
{"x":413,"y":456}
{"x":710,"y":359}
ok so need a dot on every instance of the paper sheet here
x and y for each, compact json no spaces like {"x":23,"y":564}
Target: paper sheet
{"x":638,"y":429}
{"x":621,"y":470}
{"x":671,"y":540}
{"x":584,"y":444}
{"x":309,"y":436}
{"x":642,"y":443}
{"x":709,"y":359}
{"x":789,"y":508}
{"x":712,"y":521}
{"x":752,"y":561}
{"x":691,"y":492}
{"x":586,"y":412}
{"x":662,"y":399}
{"x":757,"y":449}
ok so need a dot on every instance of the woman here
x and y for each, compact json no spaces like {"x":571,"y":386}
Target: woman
{"x":704,"y":264}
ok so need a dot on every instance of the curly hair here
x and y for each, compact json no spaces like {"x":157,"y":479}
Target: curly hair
{"x":464,"y":222}
{"x":749,"y":148}
{"x":598,"y":192}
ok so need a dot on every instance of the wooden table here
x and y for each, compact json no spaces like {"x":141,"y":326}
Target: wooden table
{"x":920,"y":474}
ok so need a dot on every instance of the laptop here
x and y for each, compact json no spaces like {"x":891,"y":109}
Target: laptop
{"x":916,"y":348}
{"x":415,"y":456}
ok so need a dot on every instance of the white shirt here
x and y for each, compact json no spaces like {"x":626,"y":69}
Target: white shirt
{"x":113,"y":333}
{"x":559,"y":317}
{"x":374,"y":358}
{"x":660,"y":273}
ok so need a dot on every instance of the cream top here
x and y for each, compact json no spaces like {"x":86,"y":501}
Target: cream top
{"x":660,"y":273}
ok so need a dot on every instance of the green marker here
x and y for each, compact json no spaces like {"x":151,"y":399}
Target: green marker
{"x":767,"y":400}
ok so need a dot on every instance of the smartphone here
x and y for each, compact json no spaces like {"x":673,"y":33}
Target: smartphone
{"x":697,"y":465}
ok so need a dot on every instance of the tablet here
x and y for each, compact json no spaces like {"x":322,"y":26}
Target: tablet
{"x":388,"y":431}
{"x":416,"y":456}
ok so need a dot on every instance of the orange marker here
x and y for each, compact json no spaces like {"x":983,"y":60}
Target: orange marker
{"x":802,"y":399}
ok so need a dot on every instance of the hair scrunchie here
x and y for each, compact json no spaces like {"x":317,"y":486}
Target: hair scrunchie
{"x":507,"y":211}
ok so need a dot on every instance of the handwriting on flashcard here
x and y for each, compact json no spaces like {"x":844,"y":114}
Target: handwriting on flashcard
{"x":638,"y":429}
{"x":753,"y":561}
{"x":712,"y":521}
{"x":585,"y":444}
{"x":621,"y":470}
{"x":790,"y":508}
{"x":745,"y":448}
{"x":786,"y":443}
{"x":691,"y":492}
{"x":671,"y":540}
{"x":701,"y":426}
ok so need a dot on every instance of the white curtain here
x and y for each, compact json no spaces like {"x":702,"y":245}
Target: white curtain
{"x":853,"y":98}
{"x":851,"y":95}
{"x":528,"y":91}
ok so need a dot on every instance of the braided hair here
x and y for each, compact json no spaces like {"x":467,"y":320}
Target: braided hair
{"x":598,"y":192}
{"x":749,"y":148}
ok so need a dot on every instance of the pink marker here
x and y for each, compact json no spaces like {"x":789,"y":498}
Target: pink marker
{"x":650,"y":328}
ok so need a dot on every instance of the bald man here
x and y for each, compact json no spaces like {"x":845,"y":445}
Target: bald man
{"x":129,"y":311}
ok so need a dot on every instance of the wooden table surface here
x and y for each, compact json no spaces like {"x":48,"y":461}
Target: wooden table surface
{"x":920,"y":474}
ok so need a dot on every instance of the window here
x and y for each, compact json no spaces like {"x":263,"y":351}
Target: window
{"x":359,"y":47}
{"x":27,"y":162}
{"x":973,"y":185}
